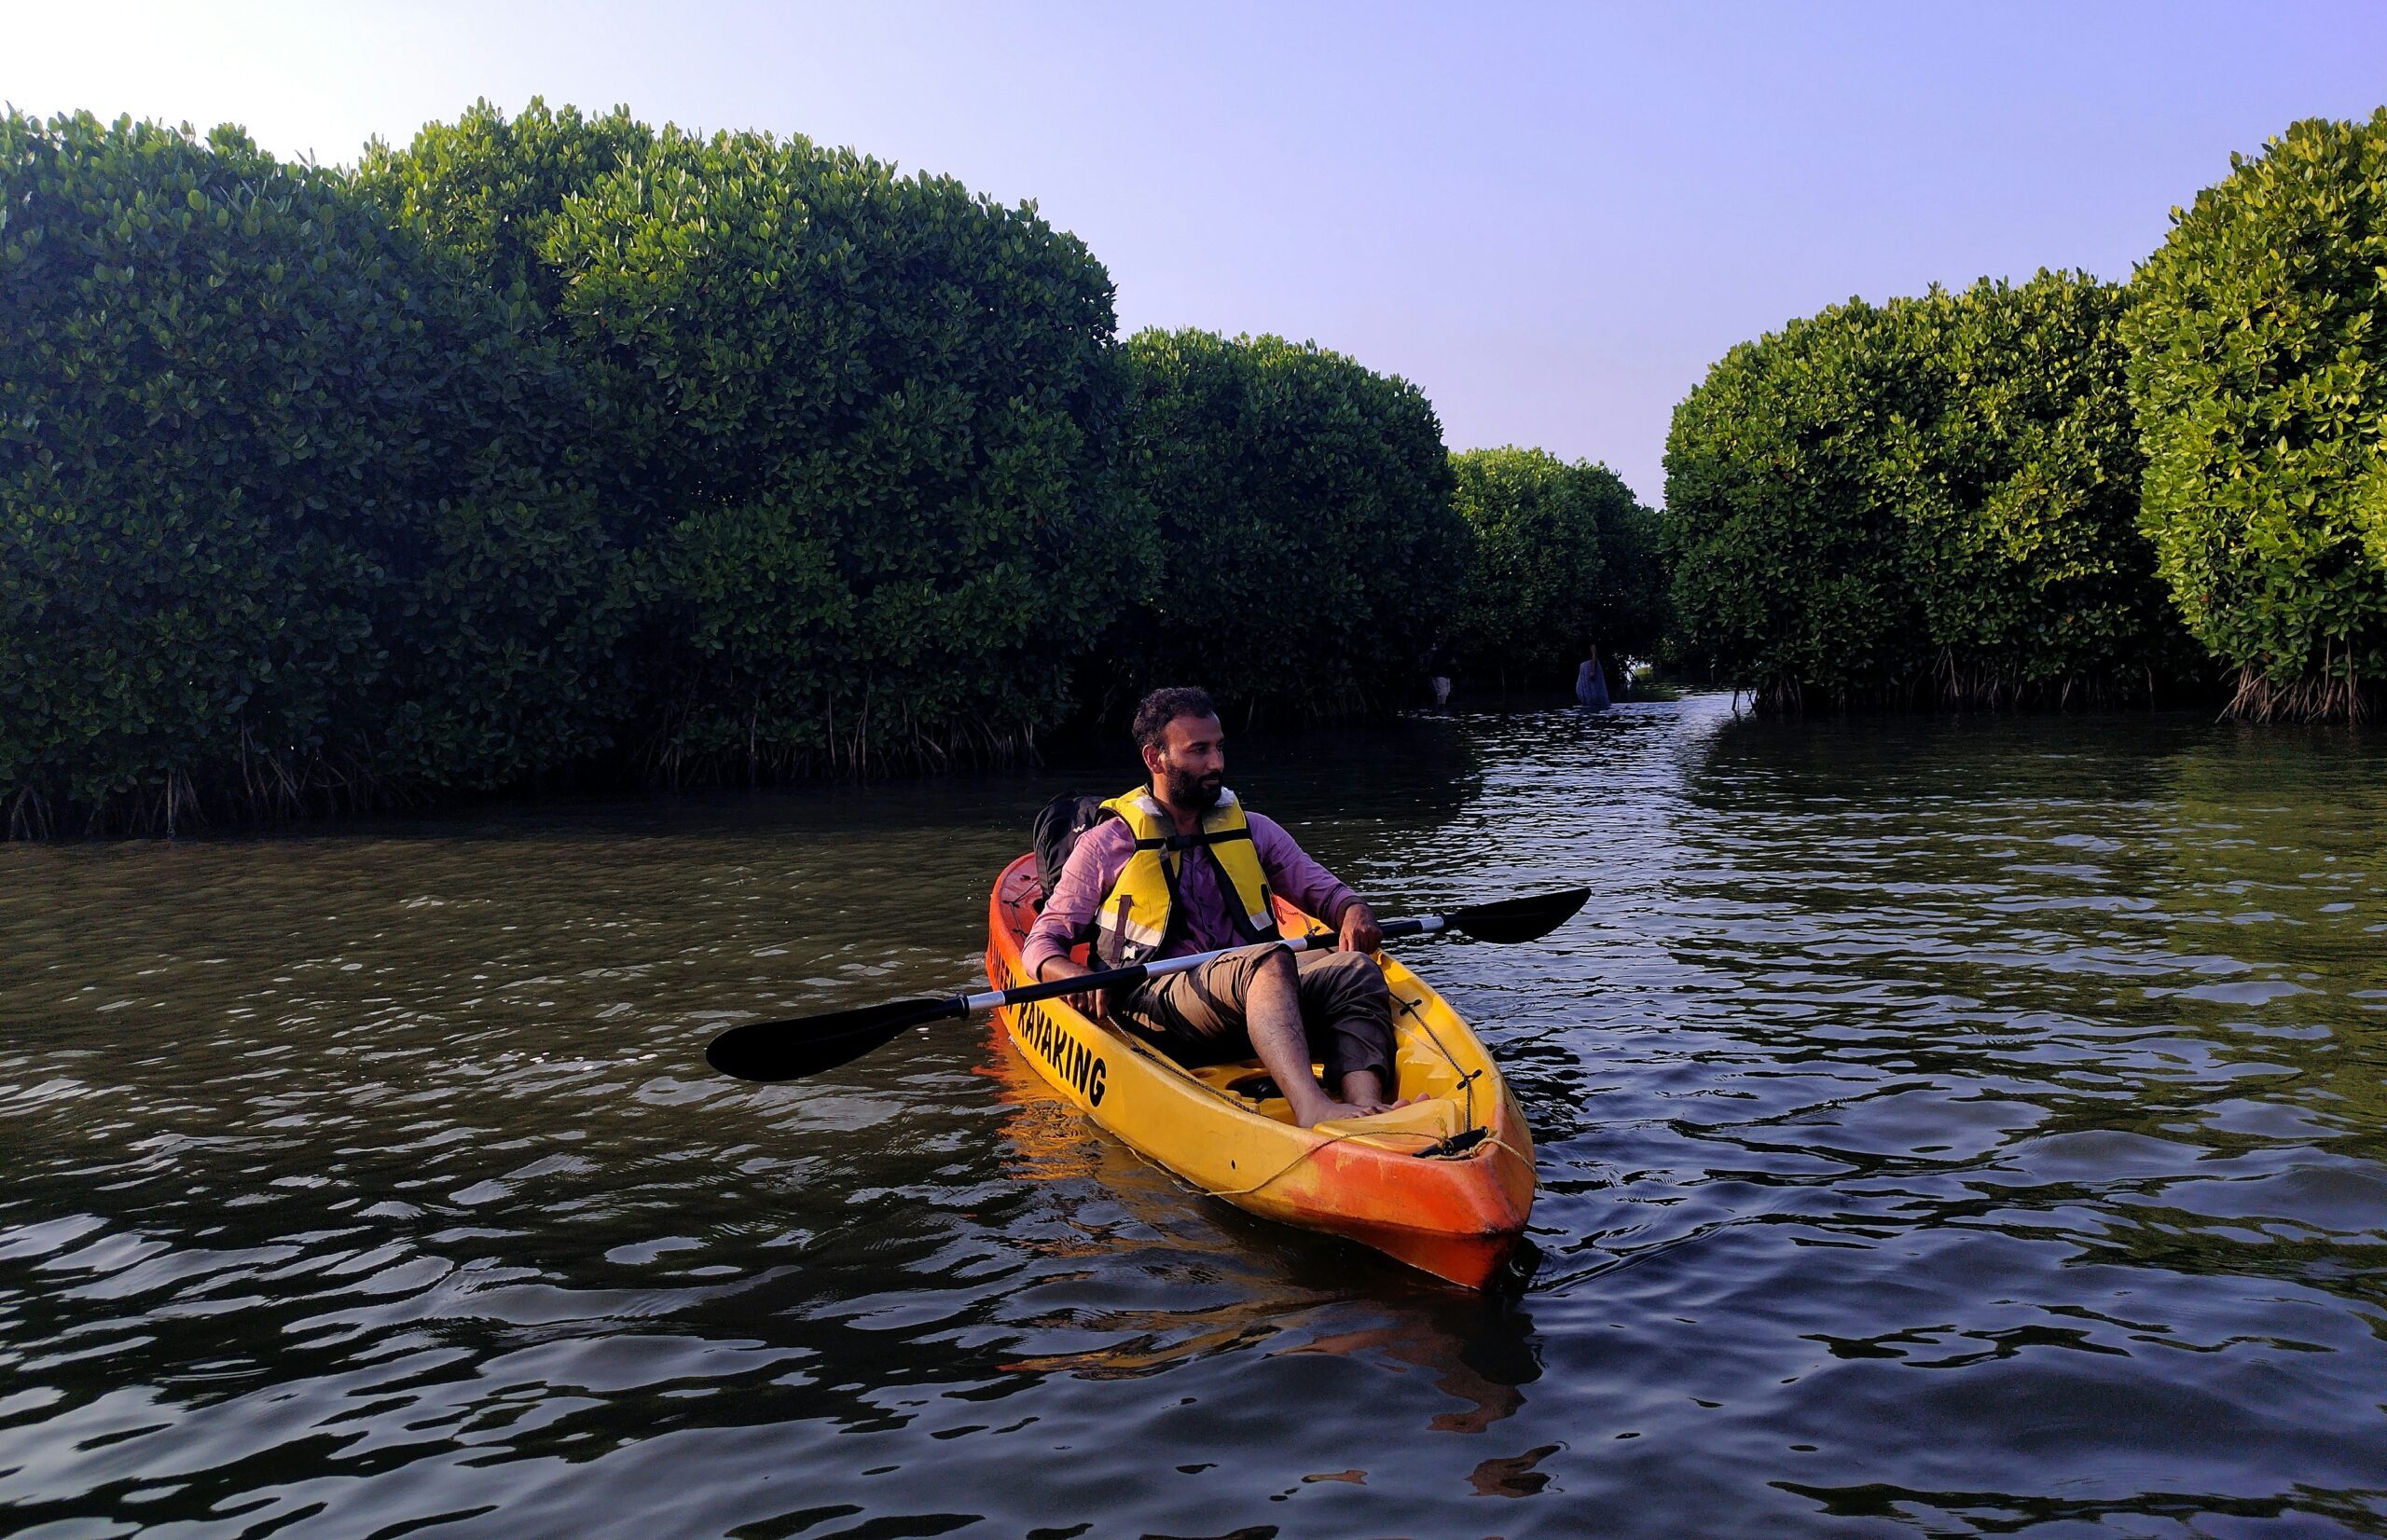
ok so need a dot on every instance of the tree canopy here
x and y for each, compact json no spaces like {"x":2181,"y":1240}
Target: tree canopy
{"x":2258,"y":371}
{"x":1564,"y":561}
{"x":1932,"y":500}
{"x":286,"y":515}
{"x":1310,"y":551}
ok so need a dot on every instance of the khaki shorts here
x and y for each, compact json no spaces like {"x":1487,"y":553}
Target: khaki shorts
{"x":1196,"y":1017}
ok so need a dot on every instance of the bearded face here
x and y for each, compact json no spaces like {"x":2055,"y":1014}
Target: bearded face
{"x":1189,"y":766}
{"x":1194,"y":789}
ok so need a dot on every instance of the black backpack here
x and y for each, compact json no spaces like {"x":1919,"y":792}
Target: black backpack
{"x":1055,"y":835}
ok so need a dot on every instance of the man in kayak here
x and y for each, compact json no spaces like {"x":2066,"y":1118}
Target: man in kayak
{"x":1179,"y":868}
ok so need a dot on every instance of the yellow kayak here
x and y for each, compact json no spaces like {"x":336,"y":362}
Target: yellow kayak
{"x":1444,"y":1185}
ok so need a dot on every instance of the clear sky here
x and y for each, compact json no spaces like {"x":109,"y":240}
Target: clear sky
{"x":1552,"y":218}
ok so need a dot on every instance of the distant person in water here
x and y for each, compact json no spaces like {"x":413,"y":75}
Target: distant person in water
{"x":1590,"y":683}
{"x":1179,"y":867}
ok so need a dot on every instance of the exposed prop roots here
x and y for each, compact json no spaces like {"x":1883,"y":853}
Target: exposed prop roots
{"x":262,"y":787}
{"x":265,"y":786}
{"x":2261,"y":698}
{"x":1952,"y":683}
{"x":28,"y":815}
{"x":864,"y":743}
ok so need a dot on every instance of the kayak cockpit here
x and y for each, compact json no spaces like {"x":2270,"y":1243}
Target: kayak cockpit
{"x":1424,"y":1064}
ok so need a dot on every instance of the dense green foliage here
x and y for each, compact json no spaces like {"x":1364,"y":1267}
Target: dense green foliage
{"x":556,"y":442}
{"x":1931,"y":500}
{"x":2258,"y":368}
{"x":1525,"y":614}
{"x":863,"y":428}
{"x":1564,"y":560}
{"x":492,"y":189}
{"x":1630,"y":599}
{"x":563,"y":444}
{"x":281,"y":517}
{"x":1310,"y":550}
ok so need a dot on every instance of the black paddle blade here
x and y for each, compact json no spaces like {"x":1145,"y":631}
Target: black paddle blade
{"x":791,"y":1049}
{"x":1527,"y":919}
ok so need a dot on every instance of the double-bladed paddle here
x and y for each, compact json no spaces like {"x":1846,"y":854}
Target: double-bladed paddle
{"x":806,"y":1045}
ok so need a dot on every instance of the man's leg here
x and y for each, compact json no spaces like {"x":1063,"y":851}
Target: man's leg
{"x":1345,"y":1000}
{"x":1249,"y":1002}
{"x":1273,"y":1015}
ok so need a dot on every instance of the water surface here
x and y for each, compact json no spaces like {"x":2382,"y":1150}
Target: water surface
{"x":1945,"y":1129}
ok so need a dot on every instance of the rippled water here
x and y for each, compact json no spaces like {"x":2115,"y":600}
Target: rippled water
{"x":1944,"y":1129}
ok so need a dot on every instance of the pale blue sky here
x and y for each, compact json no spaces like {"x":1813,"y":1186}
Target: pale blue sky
{"x":1552,"y":218}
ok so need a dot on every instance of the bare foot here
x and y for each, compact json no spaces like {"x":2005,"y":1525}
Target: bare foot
{"x":1327,"y":1112}
{"x":1356,"y":1109}
{"x":1365,"y":1090}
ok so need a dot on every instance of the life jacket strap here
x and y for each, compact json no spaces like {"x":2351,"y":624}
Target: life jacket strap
{"x":1198,"y":838}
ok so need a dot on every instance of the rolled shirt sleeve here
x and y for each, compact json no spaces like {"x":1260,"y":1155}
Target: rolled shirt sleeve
{"x":1094,"y":866}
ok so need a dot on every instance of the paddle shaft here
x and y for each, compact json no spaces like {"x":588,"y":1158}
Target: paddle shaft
{"x":1135,"y":974}
{"x":806,"y":1045}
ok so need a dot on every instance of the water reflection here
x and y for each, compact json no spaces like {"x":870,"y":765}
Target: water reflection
{"x":1234,"y":1283}
{"x":1946,"y":1128}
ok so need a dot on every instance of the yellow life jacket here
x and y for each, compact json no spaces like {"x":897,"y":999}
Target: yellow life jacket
{"x":1141,"y":914}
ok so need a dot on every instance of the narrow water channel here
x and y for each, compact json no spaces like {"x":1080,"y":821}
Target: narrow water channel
{"x":1945,"y":1129}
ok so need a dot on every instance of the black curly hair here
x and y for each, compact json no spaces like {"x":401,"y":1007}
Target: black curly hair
{"x":1163,"y":707}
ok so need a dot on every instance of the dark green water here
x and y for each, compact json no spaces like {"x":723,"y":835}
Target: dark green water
{"x":1945,"y":1130}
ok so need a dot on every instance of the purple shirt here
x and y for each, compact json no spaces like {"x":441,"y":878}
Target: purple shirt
{"x":1101,"y":854}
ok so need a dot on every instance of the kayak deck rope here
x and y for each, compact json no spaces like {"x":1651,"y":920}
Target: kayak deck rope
{"x":1412,"y":1008}
{"x":1311,"y":1153}
{"x":1282,"y":1172}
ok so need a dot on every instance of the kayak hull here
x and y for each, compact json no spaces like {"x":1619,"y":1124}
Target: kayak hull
{"x":1445,"y":1186}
